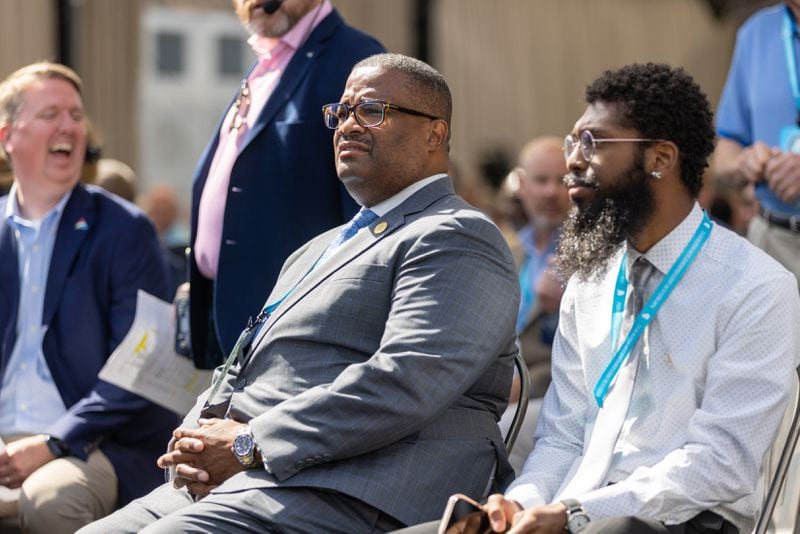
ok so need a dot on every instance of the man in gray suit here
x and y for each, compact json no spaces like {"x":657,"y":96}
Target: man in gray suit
{"x":370,"y":386}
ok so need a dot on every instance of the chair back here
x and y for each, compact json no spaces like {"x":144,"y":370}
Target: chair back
{"x":522,"y":404}
{"x":787,"y":496}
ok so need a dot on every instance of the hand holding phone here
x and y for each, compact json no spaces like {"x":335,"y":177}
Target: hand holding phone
{"x":464,"y":515}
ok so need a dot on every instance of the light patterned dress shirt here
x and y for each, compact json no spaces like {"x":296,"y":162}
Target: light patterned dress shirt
{"x":29,"y":399}
{"x":715,"y":372}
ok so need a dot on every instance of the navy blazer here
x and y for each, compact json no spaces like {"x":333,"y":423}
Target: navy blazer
{"x":283,"y":186}
{"x":95,"y":273}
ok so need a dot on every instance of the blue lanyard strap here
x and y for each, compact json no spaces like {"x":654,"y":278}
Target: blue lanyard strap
{"x":650,"y":309}
{"x":250,"y":332}
{"x":787,"y":32}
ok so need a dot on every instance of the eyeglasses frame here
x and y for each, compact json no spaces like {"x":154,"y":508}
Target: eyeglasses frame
{"x":596,"y":141}
{"x":386,"y":105}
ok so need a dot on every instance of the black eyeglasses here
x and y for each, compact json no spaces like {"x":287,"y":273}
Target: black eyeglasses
{"x":368,"y":114}
{"x":588,"y":143}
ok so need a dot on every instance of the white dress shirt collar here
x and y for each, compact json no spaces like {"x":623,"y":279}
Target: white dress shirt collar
{"x":382,"y":208}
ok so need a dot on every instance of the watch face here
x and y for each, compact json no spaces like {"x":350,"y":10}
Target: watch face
{"x":243,"y":444}
{"x":578,"y":521}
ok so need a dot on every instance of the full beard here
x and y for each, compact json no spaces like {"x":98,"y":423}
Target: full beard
{"x":593,"y":232}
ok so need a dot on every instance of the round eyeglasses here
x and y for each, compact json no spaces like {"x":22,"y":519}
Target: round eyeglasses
{"x":368,"y":114}
{"x":588,"y":144}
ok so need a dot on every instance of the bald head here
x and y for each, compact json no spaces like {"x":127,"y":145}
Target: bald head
{"x":541,"y":189}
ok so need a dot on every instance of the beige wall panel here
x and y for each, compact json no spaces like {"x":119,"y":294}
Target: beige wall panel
{"x":389,"y":21}
{"x":518,"y":68}
{"x":27,"y":33}
{"x":106,"y":56}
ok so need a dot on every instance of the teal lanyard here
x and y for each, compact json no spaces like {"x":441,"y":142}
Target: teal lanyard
{"x":787,"y":32}
{"x":250,"y":332}
{"x":650,"y":309}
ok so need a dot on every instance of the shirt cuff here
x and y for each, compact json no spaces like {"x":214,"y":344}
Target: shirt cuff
{"x":527,"y":495}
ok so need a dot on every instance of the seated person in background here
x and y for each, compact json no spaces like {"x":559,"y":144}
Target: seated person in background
{"x":72,"y":259}
{"x":161,"y":204}
{"x":540,"y":189}
{"x":733,"y":201}
{"x":369,"y":387}
{"x":672,"y":440}
{"x":116,"y":177}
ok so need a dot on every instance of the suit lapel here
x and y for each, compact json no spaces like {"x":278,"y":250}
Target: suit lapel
{"x":354,"y":248}
{"x":295,"y":71}
{"x":76,"y":223}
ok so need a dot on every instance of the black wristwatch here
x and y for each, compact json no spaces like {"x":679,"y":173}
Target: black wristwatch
{"x":576,"y":515}
{"x":244,"y":447}
{"x":57,"y":447}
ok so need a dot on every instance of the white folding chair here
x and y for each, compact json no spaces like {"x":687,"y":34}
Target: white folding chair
{"x":780,"y":494}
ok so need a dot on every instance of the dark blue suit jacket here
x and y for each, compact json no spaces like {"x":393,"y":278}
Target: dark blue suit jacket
{"x":95,"y":272}
{"x":283,"y":187}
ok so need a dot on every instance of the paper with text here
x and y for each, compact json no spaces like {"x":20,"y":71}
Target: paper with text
{"x":145,"y":362}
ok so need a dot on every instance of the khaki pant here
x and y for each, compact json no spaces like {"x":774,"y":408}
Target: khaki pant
{"x":780,"y":243}
{"x":62,"y":496}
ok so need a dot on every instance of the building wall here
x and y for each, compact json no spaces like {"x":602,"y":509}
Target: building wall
{"x":517,"y":68}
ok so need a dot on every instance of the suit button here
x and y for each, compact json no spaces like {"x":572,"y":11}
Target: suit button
{"x":327,"y":457}
{"x":299,"y":464}
{"x":318,"y":459}
{"x":240,"y":383}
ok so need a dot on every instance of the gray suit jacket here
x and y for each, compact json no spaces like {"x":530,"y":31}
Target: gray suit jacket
{"x":383,"y":374}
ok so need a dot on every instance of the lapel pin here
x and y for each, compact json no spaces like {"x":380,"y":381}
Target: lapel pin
{"x":380,"y":227}
{"x":81,"y":224}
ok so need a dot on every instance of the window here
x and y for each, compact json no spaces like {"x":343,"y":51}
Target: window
{"x":170,"y":53}
{"x":230,"y":57}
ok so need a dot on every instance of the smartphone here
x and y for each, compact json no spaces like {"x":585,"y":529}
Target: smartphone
{"x":182,"y":329}
{"x":463,"y":515}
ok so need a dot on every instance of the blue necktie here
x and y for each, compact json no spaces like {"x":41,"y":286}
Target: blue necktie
{"x":362,"y":219}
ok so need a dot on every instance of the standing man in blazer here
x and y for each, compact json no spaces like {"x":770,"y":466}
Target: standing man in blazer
{"x":266,"y":182}
{"x":382,"y":360}
{"x":72,"y":259}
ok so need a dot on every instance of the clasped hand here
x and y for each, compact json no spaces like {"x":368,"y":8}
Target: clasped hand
{"x":203,"y":457}
{"x":21,"y":458}
{"x":780,"y":169}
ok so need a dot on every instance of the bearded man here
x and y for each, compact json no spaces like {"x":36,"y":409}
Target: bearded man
{"x":677,"y":338}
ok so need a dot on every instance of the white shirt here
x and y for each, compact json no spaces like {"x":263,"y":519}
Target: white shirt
{"x":382,"y":208}
{"x":710,"y":390}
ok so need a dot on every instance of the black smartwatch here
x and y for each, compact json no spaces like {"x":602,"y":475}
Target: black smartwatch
{"x":57,"y":447}
{"x":577,"y":518}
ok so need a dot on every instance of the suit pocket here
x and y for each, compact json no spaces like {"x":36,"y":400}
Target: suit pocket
{"x":369,"y":272}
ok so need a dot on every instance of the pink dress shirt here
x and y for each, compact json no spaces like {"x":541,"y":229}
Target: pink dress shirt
{"x":274,"y":55}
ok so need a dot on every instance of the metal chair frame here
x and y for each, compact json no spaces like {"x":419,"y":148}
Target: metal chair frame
{"x":781,"y":471}
{"x":522,"y":403}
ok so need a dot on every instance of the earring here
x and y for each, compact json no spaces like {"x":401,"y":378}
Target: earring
{"x":656,"y":175}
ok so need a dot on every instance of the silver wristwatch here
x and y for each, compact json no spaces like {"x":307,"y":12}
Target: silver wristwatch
{"x":576,"y":515}
{"x":244,"y":447}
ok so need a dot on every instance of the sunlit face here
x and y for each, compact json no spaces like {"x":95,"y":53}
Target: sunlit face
{"x":376,"y":163}
{"x":46,"y":142}
{"x":612,"y":193}
{"x":541,"y":186}
{"x":258,"y":22}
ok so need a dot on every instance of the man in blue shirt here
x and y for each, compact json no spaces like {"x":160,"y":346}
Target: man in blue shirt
{"x":72,"y":259}
{"x":758,"y":123}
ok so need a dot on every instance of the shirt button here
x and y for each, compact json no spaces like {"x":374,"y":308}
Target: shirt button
{"x":23,"y":366}
{"x":35,"y":248}
{"x":23,"y":407}
{"x":34,"y":288}
{"x":32,"y":329}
